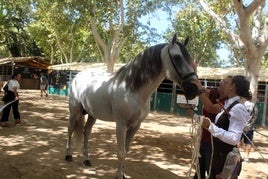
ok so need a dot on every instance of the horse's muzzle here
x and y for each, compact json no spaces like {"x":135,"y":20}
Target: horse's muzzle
{"x":190,"y":90}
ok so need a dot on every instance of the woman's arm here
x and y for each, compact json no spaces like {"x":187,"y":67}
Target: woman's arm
{"x":204,"y":97}
{"x":238,"y":116}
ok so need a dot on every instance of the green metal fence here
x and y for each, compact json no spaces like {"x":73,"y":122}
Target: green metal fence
{"x":162,"y":102}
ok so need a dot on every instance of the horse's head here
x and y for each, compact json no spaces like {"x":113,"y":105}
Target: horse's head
{"x":180,"y":67}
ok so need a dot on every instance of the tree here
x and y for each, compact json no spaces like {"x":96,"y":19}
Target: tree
{"x":15,"y":39}
{"x":249,"y":34}
{"x":113,"y":23}
{"x":205,"y":37}
{"x":74,"y":31}
{"x":61,"y":31}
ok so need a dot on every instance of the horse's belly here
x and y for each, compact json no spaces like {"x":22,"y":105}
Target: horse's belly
{"x":108,"y":100}
{"x":98,"y":106}
{"x":102,"y":113}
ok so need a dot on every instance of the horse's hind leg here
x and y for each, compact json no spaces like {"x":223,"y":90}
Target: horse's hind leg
{"x":74,"y":117}
{"x":87,"y":130}
{"x":71,"y":126}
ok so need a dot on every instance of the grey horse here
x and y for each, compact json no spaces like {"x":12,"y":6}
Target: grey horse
{"x":124,"y":97}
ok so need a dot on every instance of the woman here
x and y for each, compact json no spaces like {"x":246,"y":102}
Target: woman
{"x":229,"y":123}
{"x":211,"y":108}
{"x":11,"y":95}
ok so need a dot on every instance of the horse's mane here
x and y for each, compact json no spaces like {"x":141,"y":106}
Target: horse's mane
{"x":146,"y":66}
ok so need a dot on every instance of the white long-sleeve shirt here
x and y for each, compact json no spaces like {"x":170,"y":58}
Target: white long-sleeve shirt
{"x":13,"y":84}
{"x":238,"y":118}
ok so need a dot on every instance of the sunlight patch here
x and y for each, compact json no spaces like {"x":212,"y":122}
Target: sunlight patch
{"x":13,"y":152}
{"x":43,"y":130}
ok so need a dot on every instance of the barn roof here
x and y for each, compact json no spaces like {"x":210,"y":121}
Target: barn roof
{"x":33,"y":62}
{"x":203,"y":72}
{"x":220,"y":73}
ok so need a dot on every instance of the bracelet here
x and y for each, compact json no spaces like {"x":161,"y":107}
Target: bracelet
{"x":196,"y":118}
{"x":203,"y":90}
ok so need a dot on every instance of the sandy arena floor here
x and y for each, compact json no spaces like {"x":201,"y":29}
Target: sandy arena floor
{"x":161,"y":148}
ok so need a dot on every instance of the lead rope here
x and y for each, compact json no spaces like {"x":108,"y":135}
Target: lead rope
{"x":196,"y":135}
{"x":212,"y":154}
{"x":196,"y":130}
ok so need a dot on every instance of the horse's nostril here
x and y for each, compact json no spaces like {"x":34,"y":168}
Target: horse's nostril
{"x":190,"y":90}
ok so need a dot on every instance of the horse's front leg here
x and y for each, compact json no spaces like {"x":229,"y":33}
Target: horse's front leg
{"x":87,"y":130}
{"x":121,"y":131}
{"x":130,"y":135}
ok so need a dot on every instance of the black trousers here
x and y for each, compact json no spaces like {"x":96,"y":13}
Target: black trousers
{"x":15,"y":107}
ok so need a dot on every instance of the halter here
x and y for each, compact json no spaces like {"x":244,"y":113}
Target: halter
{"x":182,"y":78}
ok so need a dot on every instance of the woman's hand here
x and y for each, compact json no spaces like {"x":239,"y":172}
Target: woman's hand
{"x":198,"y":84}
{"x":206,"y":122}
{"x":190,"y":113}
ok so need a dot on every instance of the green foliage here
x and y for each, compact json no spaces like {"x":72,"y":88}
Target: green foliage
{"x":61,"y":32}
{"x":204,"y":35}
{"x":64,"y":31}
{"x":130,"y":51}
{"x":264,"y":62}
{"x":14,"y":38}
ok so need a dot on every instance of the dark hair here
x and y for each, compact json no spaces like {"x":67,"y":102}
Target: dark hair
{"x":14,"y":75}
{"x":242,"y":86}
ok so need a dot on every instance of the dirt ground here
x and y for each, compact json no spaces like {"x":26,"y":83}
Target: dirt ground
{"x":161,"y":148}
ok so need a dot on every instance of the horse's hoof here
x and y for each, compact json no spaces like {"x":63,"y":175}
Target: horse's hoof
{"x":87,"y":163}
{"x":69,"y":158}
{"x":123,"y":177}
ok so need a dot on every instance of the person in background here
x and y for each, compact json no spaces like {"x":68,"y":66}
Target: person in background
{"x":229,"y":124}
{"x":43,"y":84}
{"x":11,"y":95}
{"x":211,"y":108}
{"x":248,"y":133}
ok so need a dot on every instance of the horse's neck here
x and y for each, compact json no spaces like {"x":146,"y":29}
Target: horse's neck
{"x":147,"y":89}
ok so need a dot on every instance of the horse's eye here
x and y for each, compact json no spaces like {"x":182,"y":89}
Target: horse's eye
{"x":177,"y":57}
{"x":177,"y":60}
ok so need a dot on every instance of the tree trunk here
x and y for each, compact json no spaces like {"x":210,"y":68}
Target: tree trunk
{"x":51,"y":54}
{"x":110,"y":66}
{"x":108,"y":57}
{"x":252,"y":72}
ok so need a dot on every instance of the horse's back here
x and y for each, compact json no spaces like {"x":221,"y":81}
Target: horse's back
{"x":87,"y":79}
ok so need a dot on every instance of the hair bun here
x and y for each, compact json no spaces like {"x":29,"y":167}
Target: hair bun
{"x":242,"y":86}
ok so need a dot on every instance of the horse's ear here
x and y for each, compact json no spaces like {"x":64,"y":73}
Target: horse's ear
{"x":186,"y":41}
{"x":174,"y":39}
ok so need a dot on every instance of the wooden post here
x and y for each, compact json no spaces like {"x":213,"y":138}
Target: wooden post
{"x":13,"y":66}
{"x":264,"y":107}
{"x":173,"y":96}
{"x":155,"y":99}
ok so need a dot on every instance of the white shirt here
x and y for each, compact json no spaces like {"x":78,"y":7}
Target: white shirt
{"x":238,"y":117}
{"x":13,"y":84}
